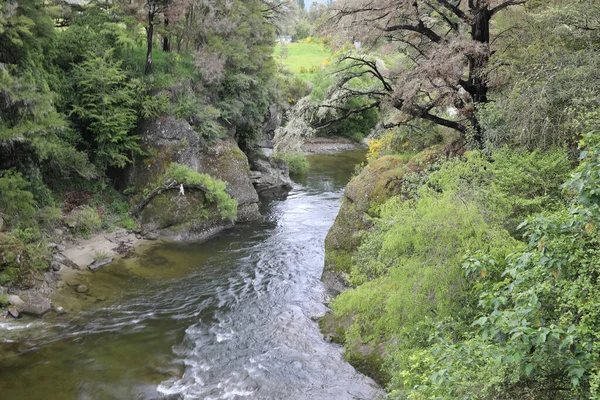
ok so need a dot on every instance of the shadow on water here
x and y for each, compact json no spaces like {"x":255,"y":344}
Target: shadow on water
{"x":231,"y":318}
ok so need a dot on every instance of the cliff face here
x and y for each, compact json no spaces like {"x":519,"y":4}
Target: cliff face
{"x":189,"y":216}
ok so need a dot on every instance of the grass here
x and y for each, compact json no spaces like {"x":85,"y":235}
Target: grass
{"x":304,"y":55}
{"x":297,"y":162}
{"x":166,"y":67}
{"x":100,"y":255}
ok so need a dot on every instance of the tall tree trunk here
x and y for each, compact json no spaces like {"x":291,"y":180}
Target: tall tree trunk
{"x":149,"y":38}
{"x":166,"y":44}
{"x":478,"y":85}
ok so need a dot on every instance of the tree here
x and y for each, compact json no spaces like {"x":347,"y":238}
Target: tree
{"x":106,"y":108}
{"x":301,"y":4}
{"x":446,"y":47}
{"x":148,"y":12}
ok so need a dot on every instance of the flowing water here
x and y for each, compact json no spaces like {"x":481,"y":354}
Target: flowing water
{"x":232,"y":318}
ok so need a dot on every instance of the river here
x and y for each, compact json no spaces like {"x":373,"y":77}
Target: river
{"x":231,"y":318}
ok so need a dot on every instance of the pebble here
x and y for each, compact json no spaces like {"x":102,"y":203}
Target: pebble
{"x":13,"y":312}
{"x":82,"y":289}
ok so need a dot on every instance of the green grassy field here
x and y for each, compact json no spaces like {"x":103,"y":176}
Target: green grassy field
{"x":303,"y":56}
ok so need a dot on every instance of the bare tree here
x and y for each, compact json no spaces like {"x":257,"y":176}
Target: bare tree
{"x":446,"y":49}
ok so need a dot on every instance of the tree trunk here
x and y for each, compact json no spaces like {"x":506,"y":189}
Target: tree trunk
{"x":478,"y":85}
{"x":149,"y":38}
{"x":166,"y":44}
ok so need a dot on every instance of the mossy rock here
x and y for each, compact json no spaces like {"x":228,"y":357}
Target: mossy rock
{"x":225,"y":161}
{"x":170,"y":215}
{"x":189,"y":217}
{"x":379,"y":181}
{"x":369,"y":361}
{"x":333,"y":328}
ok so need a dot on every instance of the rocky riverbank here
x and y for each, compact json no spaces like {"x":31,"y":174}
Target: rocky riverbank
{"x":330,"y":145}
{"x":71,"y":257}
{"x":177,"y":213}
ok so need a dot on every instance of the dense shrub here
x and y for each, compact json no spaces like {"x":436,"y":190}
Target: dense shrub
{"x":18,"y":258}
{"x":297,"y":162}
{"x":215,"y":188}
{"x":412,"y":298}
{"x":16,"y":203}
{"x":84,"y":221}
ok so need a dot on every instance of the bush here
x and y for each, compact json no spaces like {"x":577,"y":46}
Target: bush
{"x":16,"y":203}
{"x":297,"y":162}
{"x":84,"y":221}
{"x":17,"y":258}
{"x":118,"y":215}
{"x":411,"y":298}
{"x":215,"y":188}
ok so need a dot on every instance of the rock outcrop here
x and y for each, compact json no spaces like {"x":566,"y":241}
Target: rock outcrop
{"x":267,"y":172}
{"x":191,"y":216}
{"x":36,"y":305}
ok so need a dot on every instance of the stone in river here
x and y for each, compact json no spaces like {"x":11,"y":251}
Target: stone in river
{"x":82,"y":289}
{"x":13,"y":312}
{"x":15,"y":300}
{"x":36,"y":305}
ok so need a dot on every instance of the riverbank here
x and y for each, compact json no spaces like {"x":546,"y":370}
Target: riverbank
{"x":73,"y":259}
{"x":231,"y":315}
{"x":329,"y":145}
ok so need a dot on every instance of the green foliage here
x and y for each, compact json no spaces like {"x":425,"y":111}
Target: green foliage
{"x":550,"y":77}
{"x":16,"y":203}
{"x":538,"y":316}
{"x":214,"y":188}
{"x":203,"y":117}
{"x":18,"y":259}
{"x":84,"y":221}
{"x":297,"y":162}
{"x":292,"y":88}
{"x":155,"y":106}
{"x":410,"y":293}
{"x":107,"y":108}
{"x":117,"y":213}
{"x":100,"y":255}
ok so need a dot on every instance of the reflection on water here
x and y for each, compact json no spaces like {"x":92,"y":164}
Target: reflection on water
{"x":227,"y":319}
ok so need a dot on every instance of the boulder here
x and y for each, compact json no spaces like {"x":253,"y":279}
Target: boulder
{"x":266,"y":172}
{"x":57,"y":247}
{"x":36,"y":305}
{"x":82,"y":289}
{"x":188,"y":217}
{"x":269,"y":174}
{"x":15,"y":300}
{"x":64,"y":260}
{"x":100,"y":263}
{"x":225,"y":161}
{"x":13,"y":312}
